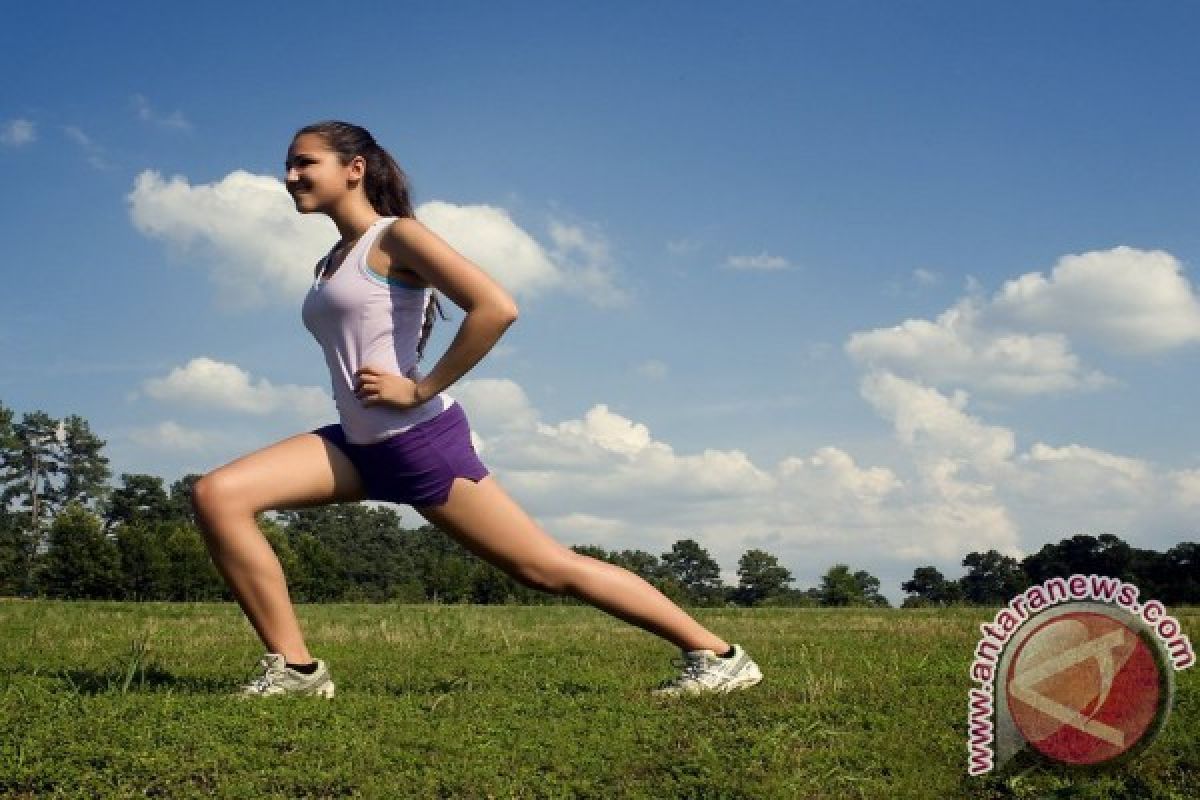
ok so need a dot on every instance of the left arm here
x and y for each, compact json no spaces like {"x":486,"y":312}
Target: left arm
{"x":490,"y":309}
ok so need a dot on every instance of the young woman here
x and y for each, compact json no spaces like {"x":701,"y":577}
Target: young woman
{"x":400,"y":438}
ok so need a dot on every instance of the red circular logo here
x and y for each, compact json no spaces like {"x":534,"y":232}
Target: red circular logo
{"x":1084,"y":688}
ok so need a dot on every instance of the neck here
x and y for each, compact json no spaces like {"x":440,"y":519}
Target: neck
{"x":352,"y":222}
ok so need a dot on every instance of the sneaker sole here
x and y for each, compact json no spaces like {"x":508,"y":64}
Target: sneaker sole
{"x":751,"y":678}
{"x":325,"y":690}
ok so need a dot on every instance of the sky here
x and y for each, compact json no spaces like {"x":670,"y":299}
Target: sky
{"x":869,"y":283}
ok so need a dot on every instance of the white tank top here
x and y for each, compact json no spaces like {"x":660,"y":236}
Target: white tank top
{"x":359,"y":318}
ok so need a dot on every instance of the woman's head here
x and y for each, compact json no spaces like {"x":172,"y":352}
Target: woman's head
{"x":330,"y":158}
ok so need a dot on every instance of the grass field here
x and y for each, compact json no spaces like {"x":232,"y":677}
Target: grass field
{"x":130,"y":700}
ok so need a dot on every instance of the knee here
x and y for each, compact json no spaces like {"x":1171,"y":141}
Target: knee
{"x":212,"y":495}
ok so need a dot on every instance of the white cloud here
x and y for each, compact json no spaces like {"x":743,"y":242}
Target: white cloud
{"x":928,"y":421}
{"x":1129,"y":300}
{"x":959,"y":348}
{"x":173,"y":437}
{"x":762,"y":261}
{"x":209,"y":384}
{"x":653,"y":369}
{"x":1186,"y":487}
{"x":924,"y":277}
{"x":173,"y":120}
{"x":92,"y":150}
{"x":1016,"y":343}
{"x":17,"y":132}
{"x":258,"y":249}
{"x":810,"y":511}
{"x":679,"y":247}
{"x":587,"y":264}
{"x":488,"y":236}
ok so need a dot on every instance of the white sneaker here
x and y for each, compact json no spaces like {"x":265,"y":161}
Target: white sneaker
{"x":705,"y":671}
{"x":278,"y":678}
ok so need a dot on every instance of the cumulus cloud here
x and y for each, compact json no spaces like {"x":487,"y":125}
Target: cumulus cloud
{"x":960,"y":348}
{"x":205,"y":383}
{"x":172,"y":437}
{"x":1019,"y":342}
{"x":762,"y":261}
{"x":17,"y":132}
{"x":987,"y":491}
{"x":258,"y":250}
{"x":488,"y":236}
{"x":928,"y":421}
{"x":256,"y":246}
{"x":605,"y":479}
{"x":1129,"y":300}
{"x":960,"y":484}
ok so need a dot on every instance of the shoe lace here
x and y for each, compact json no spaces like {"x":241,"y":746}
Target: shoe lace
{"x":267,"y":679}
{"x":691,"y":670}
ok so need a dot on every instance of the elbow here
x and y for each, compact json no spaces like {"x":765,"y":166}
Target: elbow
{"x":508,"y":312}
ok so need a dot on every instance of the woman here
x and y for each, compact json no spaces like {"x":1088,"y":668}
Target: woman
{"x":400,"y":438}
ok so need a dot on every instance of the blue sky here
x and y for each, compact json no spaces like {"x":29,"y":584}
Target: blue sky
{"x":872,"y":283}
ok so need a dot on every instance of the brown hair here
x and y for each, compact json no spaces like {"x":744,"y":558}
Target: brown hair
{"x":385,"y":184}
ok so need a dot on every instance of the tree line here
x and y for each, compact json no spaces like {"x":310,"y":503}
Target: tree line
{"x":66,"y":533}
{"x":1172,"y":577}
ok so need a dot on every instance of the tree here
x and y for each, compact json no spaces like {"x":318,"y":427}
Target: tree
{"x":992,"y":578}
{"x":15,"y":555}
{"x":81,"y":562}
{"x":140,"y":498}
{"x":645,"y":565}
{"x":367,"y":548}
{"x":322,"y":577}
{"x":930,"y":587}
{"x":869,"y":586}
{"x":1084,"y":555}
{"x":759,"y":577}
{"x":30,"y":456}
{"x":1182,"y":569}
{"x":694,"y":570}
{"x":841,"y":587}
{"x":180,"y":501}
{"x":143,"y":561}
{"x":592,"y":551}
{"x":85,"y":470}
{"x":191,"y":574}
{"x":838,"y":587}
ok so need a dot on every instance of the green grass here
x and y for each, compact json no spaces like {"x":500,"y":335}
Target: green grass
{"x":130,"y":700}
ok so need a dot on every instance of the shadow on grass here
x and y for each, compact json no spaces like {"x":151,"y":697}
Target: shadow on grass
{"x":150,"y":678}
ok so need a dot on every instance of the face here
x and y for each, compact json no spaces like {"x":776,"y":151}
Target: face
{"x":314,"y":176}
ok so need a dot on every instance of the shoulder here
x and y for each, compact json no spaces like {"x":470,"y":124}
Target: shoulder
{"x":406,"y":234}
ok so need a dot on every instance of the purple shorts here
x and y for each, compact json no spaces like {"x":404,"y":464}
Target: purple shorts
{"x":418,"y":466}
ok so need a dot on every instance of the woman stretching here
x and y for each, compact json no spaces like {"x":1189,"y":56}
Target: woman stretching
{"x":400,"y":438}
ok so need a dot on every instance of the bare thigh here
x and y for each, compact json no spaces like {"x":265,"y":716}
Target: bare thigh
{"x":485,"y":520}
{"x":301,"y":471}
